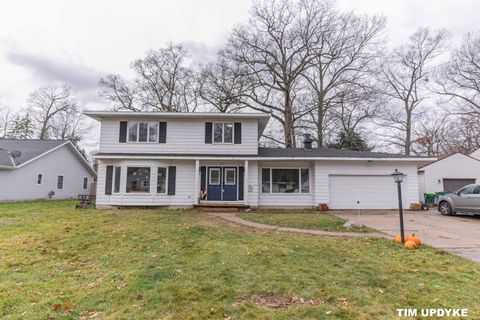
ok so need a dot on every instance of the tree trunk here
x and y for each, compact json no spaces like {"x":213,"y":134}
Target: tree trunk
{"x":288,"y":121}
{"x":408,"y":133}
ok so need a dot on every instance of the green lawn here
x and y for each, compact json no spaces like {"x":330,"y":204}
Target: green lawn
{"x":302,"y":219}
{"x":152,"y":264}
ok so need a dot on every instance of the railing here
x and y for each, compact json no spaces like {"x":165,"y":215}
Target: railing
{"x":86,"y":198}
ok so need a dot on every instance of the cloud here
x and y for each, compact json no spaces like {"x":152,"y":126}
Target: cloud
{"x":56,"y":70}
{"x":201,"y":52}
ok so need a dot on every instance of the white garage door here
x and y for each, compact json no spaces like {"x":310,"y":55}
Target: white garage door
{"x":372,"y":192}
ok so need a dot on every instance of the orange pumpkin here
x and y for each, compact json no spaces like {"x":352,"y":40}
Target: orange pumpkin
{"x":397,"y":239}
{"x":415,"y":239}
{"x":410,"y":244}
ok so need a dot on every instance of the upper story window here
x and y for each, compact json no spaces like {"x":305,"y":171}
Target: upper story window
{"x":223,"y":132}
{"x":142,"y":131}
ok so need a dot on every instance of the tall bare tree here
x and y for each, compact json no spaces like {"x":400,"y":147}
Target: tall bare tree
{"x":7,"y":115}
{"x":222,"y":86}
{"x":405,"y":73}
{"x":47,"y":102}
{"x":458,"y":80}
{"x":164,"y":81}
{"x":274,"y":49}
{"x":344,"y":52}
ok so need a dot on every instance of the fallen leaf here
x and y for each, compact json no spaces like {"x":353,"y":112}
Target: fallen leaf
{"x":56,"y":306}
{"x":328,"y":312}
{"x":381,"y":291}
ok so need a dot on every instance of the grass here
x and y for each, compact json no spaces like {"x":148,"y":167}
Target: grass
{"x":302,"y":219}
{"x":152,"y":264}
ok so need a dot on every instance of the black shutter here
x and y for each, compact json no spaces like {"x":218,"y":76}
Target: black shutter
{"x":238,"y":133}
{"x":241,"y":182}
{"x":122,"y":137}
{"x":108,"y":180}
{"x":162,"y":138}
{"x":203,"y":178}
{"x":208,"y":132}
{"x":172,"y":173}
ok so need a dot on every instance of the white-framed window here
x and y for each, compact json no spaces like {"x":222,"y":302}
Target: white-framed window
{"x":138,"y":180}
{"x":162,"y":177}
{"x":85,"y":183}
{"x":285,"y":180}
{"x":214,"y":176}
{"x":230,"y":176}
{"x":60,"y":182}
{"x":40,"y":178}
{"x":139,"y":131}
{"x":223,"y":132}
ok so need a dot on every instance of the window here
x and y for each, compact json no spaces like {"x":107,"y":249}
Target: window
{"x":285,"y":181}
{"x":39,"y":178}
{"x":60,"y":182}
{"x":116,"y":179}
{"x":467,"y":190}
{"x":142,"y":131}
{"x":266,"y":180}
{"x":223,"y":132}
{"x":85,"y":183}
{"x":214,"y":177}
{"x":230,"y":176}
{"x":162,"y":180}
{"x":138,"y":180}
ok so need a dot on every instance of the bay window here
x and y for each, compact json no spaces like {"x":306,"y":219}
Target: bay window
{"x":285,"y":180}
{"x":138,"y":180}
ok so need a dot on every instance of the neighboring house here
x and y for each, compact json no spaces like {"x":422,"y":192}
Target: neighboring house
{"x":475,"y":154}
{"x":42,"y":169}
{"x":172,"y":159}
{"x":448,"y":174}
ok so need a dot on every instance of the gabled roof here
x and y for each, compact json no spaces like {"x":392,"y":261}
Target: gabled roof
{"x":426,"y":164}
{"x":262,"y":117}
{"x":32,"y":149}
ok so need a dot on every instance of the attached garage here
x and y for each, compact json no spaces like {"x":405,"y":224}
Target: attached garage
{"x":364,"y":192}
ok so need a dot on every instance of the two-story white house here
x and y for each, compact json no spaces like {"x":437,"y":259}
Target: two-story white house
{"x":185,"y":159}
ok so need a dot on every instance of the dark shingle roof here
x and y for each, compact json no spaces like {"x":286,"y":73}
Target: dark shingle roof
{"x":29,"y":149}
{"x":326,"y":153}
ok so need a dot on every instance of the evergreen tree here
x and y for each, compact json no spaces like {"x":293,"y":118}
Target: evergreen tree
{"x":350,"y":140}
{"x":22,"y":128}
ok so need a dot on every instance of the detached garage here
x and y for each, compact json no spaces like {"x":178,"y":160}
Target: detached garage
{"x":448,"y":174}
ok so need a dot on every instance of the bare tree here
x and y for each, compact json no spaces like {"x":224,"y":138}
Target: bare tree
{"x":7,"y":115}
{"x":432,"y":135}
{"x":47,"y":102}
{"x":344,"y":53}
{"x":222,"y":86}
{"x":405,"y":73}
{"x":274,"y":49}
{"x":69,"y":124}
{"x":458,"y":80}
{"x":121,"y":93}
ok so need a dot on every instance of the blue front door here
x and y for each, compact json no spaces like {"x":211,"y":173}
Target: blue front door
{"x":229,"y":183}
{"x":222,"y":184}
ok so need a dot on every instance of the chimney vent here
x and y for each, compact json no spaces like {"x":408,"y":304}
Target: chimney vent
{"x":307,"y":142}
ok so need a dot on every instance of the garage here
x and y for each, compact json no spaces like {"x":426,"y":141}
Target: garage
{"x":364,"y":192}
{"x":452,"y":185}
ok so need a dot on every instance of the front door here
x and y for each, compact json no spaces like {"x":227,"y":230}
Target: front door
{"x":222,"y":184}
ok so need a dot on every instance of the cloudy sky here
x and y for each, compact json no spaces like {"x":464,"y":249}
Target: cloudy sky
{"x":76,"y":42}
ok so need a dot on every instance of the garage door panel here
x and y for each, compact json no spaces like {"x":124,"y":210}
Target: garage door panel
{"x":372,"y":192}
{"x":452,"y":185}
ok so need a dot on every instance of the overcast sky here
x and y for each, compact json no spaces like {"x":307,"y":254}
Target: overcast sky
{"x":76,"y":42}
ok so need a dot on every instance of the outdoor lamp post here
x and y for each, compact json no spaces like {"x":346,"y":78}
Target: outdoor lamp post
{"x":398,"y":178}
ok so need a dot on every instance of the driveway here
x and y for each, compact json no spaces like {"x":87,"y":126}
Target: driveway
{"x":457,"y":234}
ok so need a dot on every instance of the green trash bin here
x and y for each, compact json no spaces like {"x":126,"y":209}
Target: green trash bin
{"x":430,"y":197}
{"x":438,"y":194}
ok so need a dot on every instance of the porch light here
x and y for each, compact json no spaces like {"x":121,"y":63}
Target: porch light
{"x":398,"y":178}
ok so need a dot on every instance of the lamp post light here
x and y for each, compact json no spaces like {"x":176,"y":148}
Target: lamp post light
{"x":398,"y":178}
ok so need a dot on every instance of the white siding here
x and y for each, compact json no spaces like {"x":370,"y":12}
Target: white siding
{"x":325,"y":169}
{"x":184,"y":193}
{"x":184,"y":136}
{"x":457,"y":166}
{"x":286,"y":199}
{"x":476,"y":154}
{"x":21,"y":183}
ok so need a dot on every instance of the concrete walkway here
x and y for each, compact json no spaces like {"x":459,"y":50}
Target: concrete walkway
{"x":457,"y":234}
{"x":232,"y":217}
